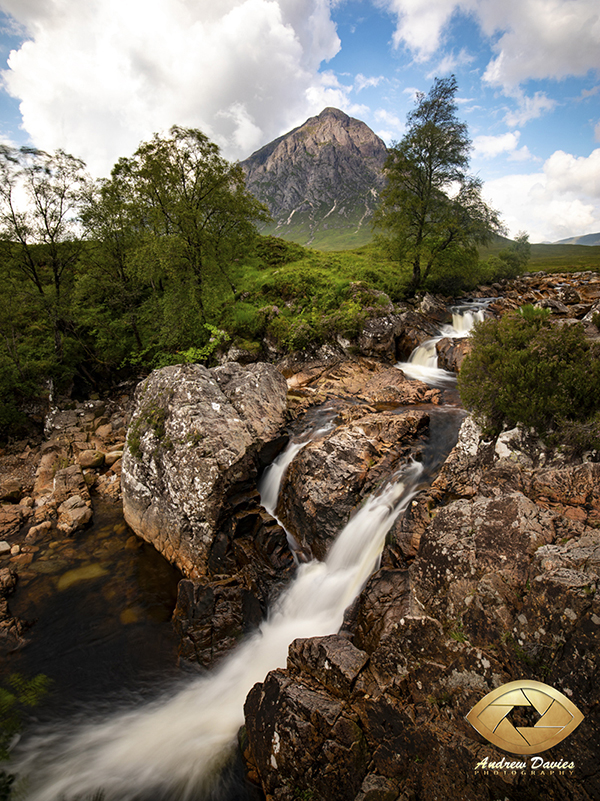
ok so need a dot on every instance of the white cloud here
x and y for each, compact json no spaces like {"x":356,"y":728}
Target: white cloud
{"x":395,"y":127}
{"x":532,"y":39}
{"x":489,"y":147}
{"x":450,"y":62}
{"x":561,"y":201}
{"x":360,"y":82}
{"x":597,"y":132}
{"x":529,"y":108}
{"x":97,"y":78}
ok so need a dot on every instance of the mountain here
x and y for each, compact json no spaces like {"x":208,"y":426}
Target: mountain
{"x":591,"y":240}
{"x":321,"y":181}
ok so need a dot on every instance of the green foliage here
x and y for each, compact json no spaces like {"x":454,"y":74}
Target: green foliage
{"x":524,"y":370}
{"x":424,"y":224}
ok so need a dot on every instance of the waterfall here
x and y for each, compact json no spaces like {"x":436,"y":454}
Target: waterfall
{"x":422,"y":364}
{"x":175,"y":746}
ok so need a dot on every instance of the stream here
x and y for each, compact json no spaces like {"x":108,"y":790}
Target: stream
{"x":174,"y":745}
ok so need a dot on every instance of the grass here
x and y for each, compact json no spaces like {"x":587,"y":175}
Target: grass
{"x":552,"y":258}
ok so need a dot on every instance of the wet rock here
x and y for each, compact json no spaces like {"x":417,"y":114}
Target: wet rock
{"x":290,"y":715}
{"x":211,"y":618}
{"x":330,"y":476}
{"x":248,"y":564}
{"x":10,"y":628}
{"x":194,"y":433}
{"x":452,"y":352}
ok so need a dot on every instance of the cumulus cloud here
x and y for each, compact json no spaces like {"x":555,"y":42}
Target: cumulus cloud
{"x":97,"y":78}
{"x":561,"y":201}
{"x":532,"y":39}
{"x":489,"y":147}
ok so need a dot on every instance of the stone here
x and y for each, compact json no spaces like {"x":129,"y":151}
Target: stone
{"x":4,"y":547}
{"x":73,"y":515}
{"x":329,"y":477}
{"x":112,"y":457}
{"x":91,"y":459}
{"x":68,"y":482}
{"x":452,"y":352}
{"x":36,"y":531}
{"x":12,"y":518}
{"x":105,"y":431}
{"x":10,"y":490}
{"x":195,"y":433}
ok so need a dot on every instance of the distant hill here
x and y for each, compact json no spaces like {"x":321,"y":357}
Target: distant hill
{"x":591,"y":240}
{"x":321,"y":181}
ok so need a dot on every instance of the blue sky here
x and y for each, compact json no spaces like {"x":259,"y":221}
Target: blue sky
{"x":97,"y":78}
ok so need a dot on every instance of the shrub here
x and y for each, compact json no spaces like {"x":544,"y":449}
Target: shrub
{"x":524,"y":370}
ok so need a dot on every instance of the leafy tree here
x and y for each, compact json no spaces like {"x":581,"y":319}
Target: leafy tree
{"x":192,"y":203}
{"x":431,"y":210}
{"x":40,"y":196}
{"x":523,"y":369}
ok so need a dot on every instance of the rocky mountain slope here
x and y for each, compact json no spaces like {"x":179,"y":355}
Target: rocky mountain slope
{"x":321,"y":181}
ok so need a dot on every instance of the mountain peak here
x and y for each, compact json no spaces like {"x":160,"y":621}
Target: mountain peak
{"x":320,"y":178}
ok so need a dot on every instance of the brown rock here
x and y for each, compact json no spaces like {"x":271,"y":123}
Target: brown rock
{"x":11,"y":520}
{"x":91,"y":459}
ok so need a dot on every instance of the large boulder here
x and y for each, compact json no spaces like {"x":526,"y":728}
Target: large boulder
{"x":194,"y":434}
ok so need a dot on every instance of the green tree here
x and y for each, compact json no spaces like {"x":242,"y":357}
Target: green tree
{"x":431,"y":210}
{"x":192,"y":204}
{"x":40,"y":197}
{"x":523,"y":369}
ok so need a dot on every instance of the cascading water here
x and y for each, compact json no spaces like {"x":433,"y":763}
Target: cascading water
{"x":175,"y":746}
{"x":422,"y":364}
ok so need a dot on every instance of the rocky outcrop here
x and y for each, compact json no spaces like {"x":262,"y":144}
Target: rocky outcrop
{"x":321,"y":178}
{"x":194,"y":435}
{"x":330,"y":477}
{"x":501,"y":585}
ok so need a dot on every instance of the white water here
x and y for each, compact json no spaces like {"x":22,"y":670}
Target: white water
{"x":422,"y":364}
{"x":177,"y":745}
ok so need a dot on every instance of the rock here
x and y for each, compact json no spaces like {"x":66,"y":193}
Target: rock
{"x":434,"y":309}
{"x":452,"y":352}
{"x":68,"y":482}
{"x":11,"y":519}
{"x":10,"y":490}
{"x":249,"y":562}
{"x":91,"y":459}
{"x":330,"y":476}
{"x":194,"y":433}
{"x":73,"y":515}
{"x":391,"y":387}
{"x":502,"y":585}
{"x":4,"y":547}
{"x":36,"y":531}
{"x":105,"y":431}
{"x":10,"y":628}
{"x":111,"y":458}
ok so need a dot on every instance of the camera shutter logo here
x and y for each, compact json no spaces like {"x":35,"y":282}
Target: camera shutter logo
{"x":559,"y":717}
